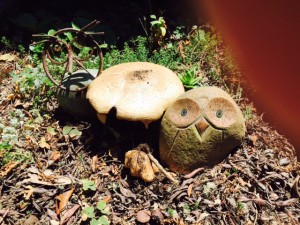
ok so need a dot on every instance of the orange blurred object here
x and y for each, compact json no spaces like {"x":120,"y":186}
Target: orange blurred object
{"x":265,"y":38}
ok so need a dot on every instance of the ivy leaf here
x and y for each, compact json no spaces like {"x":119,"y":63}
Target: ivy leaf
{"x":43,"y":143}
{"x":88,"y":212}
{"x":88,"y":185}
{"x":74,"y":132}
{"x":103,"y":220}
{"x":95,"y":222}
{"x":101,"y":205}
{"x":66,"y":130}
{"x":74,"y":26}
{"x":51,"y":131}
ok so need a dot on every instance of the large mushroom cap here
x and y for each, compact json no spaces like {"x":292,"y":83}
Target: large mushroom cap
{"x":139,"y":91}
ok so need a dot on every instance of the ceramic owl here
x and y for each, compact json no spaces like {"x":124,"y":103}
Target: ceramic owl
{"x":199,"y":129}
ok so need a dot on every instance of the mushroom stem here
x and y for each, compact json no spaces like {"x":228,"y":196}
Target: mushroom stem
{"x":168,"y":175}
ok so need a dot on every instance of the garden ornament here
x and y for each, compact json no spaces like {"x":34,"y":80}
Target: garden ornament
{"x":70,"y":48}
{"x":69,"y":42}
{"x":200,"y":128}
{"x":74,"y":102}
{"x":138,"y":91}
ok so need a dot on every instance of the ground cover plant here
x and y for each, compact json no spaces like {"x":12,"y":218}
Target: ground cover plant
{"x":55,"y":169}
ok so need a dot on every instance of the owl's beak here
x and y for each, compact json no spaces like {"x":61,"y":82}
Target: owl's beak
{"x":201,"y":126}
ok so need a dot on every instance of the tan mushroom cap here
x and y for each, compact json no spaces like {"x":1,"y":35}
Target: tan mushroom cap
{"x":140,"y":91}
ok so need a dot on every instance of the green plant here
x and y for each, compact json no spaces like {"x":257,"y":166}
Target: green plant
{"x":240,"y":206}
{"x":190,"y":79}
{"x":248,"y":114}
{"x":135,"y":50}
{"x":91,"y":213}
{"x":172,"y":212}
{"x":186,"y":208}
{"x":88,"y":185}
{"x":158,"y":30}
{"x":7,"y":44}
{"x":9,"y":154}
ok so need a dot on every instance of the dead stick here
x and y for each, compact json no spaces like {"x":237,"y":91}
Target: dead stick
{"x":168,"y":175}
{"x":4,"y":215}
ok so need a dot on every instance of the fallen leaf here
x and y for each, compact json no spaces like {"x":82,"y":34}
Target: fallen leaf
{"x":94,"y":163}
{"x":143,"y":216}
{"x":7,"y":168}
{"x":31,"y":220}
{"x":35,"y":179}
{"x":52,"y":215}
{"x":68,"y":214}
{"x":8,"y":57}
{"x":126,"y":192}
{"x":55,"y":155}
{"x":107,"y":198}
{"x":28,"y":193}
{"x":253,"y":138}
{"x":62,"y":201}
{"x":43,"y":143}
{"x":189,"y":190}
{"x":54,"y":222}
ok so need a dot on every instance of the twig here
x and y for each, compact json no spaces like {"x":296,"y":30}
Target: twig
{"x":193,"y":173}
{"x":168,"y":175}
{"x":144,"y":27}
{"x":4,"y":215}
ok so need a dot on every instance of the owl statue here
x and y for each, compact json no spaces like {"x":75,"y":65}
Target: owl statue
{"x":200,"y":128}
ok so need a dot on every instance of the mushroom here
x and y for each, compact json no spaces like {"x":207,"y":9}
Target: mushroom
{"x":139,"y":91}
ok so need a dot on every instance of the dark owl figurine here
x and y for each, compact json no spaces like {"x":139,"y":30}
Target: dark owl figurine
{"x":200,"y":129}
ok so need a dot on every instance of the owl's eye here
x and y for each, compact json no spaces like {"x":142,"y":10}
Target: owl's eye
{"x":183,"y":112}
{"x":221,"y":112}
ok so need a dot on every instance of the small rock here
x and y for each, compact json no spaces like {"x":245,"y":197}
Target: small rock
{"x":143,"y":216}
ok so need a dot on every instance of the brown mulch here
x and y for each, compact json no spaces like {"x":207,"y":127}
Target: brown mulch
{"x":257,"y":184}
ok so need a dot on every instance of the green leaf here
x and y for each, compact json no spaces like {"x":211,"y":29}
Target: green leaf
{"x":74,"y":133}
{"x":51,"y":130}
{"x":88,"y":185}
{"x":66,"y":130}
{"x":163,"y":31}
{"x":51,"y":32}
{"x":101,"y":205}
{"x":155,"y":22}
{"x":95,"y":222}
{"x":103,"y":220}
{"x":74,"y":26}
{"x":103,"y":46}
{"x":88,"y":212}
{"x":69,"y":36}
{"x":153,"y":17}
